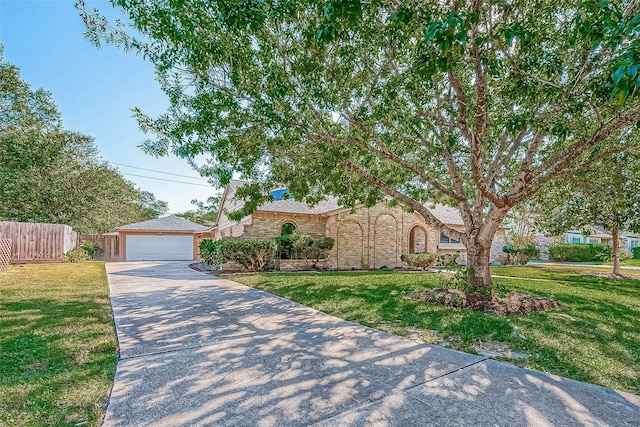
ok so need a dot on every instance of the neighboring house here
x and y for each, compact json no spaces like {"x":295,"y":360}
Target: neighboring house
{"x":364,"y":239}
{"x":594,"y":234}
{"x":627,"y":240}
{"x":630,"y":240}
{"x":167,"y":238}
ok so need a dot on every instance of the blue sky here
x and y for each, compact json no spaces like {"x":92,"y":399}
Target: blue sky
{"x":94,"y":89}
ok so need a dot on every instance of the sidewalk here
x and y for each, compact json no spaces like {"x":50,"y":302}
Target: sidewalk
{"x":196,"y":350}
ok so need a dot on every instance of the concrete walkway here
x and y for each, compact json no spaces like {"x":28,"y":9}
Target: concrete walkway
{"x":196,"y":350}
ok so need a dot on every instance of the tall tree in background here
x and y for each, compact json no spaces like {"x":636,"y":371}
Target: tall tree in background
{"x":476,"y":104}
{"x":607,"y":195}
{"x":205,"y":213}
{"x":50,"y":174}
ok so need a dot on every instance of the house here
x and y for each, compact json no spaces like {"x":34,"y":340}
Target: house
{"x":366,"y":238}
{"x":630,"y":240}
{"x":167,"y":238}
{"x":590,"y":234}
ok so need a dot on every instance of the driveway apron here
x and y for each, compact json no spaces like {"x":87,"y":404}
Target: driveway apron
{"x":196,"y":350}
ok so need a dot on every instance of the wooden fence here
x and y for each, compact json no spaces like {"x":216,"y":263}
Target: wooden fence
{"x":110,"y":244}
{"x":38,"y":242}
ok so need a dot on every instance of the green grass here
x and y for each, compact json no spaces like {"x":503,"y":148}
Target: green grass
{"x":57,"y":346}
{"x":594,"y":337}
{"x":631,"y":262}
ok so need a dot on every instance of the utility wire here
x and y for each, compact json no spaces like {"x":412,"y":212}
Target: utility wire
{"x":152,"y":170}
{"x":168,"y":180}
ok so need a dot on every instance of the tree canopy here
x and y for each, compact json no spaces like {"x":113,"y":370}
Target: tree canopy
{"x":476,"y":104}
{"x":205,"y":213}
{"x":50,"y":174}
{"x":606,"y":195}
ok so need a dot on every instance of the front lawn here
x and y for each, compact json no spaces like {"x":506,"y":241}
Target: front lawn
{"x":594,"y":337}
{"x":57,"y":346}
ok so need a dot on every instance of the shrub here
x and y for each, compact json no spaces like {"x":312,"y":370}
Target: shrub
{"x":252,"y":254}
{"x":76,"y":255}
{"x":420,"y":260}
{"x":306,"y":247}
{"x":565,"y":252}
{"x":284,"y":246}
{"x":521,"y":254}
{"x":636,"y":252}
{"x":210,"y":251}
{"x":625,"y":254}
{"x":93,"y":250}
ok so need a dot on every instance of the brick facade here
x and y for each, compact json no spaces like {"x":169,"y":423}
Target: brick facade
{"x":364,"y":239}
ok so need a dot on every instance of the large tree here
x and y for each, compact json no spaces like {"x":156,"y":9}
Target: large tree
{"x":605,"y":195}
{"x":477,"y":104}
{"x":50,"y":174}
{"x":205,"y":213}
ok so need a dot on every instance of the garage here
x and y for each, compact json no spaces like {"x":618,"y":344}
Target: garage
{"x":169,"y":238}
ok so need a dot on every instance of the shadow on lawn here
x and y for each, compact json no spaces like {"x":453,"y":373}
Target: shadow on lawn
{"x":49,"y":350}
{"x":219,"y":353}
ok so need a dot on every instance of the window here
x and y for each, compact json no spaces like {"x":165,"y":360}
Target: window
{"x":287,"y":229}
{"x":576,"y":240}
{"x":446,"y":239}
{"x":634,"y":243}
{"x":593,"y":241}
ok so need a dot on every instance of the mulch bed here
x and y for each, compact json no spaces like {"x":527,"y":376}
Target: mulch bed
{"x":511,"y":303}
{"x":203,"y":268}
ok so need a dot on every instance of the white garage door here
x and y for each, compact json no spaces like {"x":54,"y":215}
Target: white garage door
{"x":159,"y":247}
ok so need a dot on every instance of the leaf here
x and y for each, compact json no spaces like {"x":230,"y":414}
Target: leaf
{"x":618,"y":74}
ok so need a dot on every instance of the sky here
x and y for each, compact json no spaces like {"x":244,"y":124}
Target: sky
{"x":95,"y":90}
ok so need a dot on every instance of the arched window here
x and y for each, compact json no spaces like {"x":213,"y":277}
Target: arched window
{"x":287,"y":229}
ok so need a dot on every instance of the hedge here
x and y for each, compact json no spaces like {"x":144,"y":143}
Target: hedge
{"x":521,"y":254}
{"x":565,"y":252}
{"x":420,"y":260}
{"x":636,"y":252}
{"x":252,"y":254}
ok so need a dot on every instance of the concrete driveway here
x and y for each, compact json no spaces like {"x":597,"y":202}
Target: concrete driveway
{"x":196,"y":350}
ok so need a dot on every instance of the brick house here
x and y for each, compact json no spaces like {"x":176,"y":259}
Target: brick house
{"x":364,"y":239}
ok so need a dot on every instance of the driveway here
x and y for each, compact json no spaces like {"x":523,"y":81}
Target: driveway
{"x":196,"y":350}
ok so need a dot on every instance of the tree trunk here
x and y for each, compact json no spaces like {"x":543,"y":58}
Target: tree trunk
{"x":616,"y":251}
{"x":478,"y":270}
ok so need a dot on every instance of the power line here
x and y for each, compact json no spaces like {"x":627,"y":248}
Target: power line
{"x":152,"y":170}
{"x":168,"y":180}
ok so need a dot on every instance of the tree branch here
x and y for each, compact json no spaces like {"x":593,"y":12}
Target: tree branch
{"x":406,"y":200}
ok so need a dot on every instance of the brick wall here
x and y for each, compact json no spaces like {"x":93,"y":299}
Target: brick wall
{"x":365,"y":239}
{"x":267,"y":225}
{"x":372,"y":238}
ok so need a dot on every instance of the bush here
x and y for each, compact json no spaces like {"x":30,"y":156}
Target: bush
{"x":565,"y":252}
{"x":636,"y":252}
{"x":306,"y":247}
{"x":76,"y":255}
{"x":94,"y":251}
{"x":521,"y":254}
{"x":252,"y":254}
{"x":284,"y":247}
{"x":420,"y":260}
{"x":625,"y":254}
{"x":210,"y":251}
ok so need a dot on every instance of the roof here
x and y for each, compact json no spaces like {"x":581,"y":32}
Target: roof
{"x":165,"y":223}
{"x":446,"y":214}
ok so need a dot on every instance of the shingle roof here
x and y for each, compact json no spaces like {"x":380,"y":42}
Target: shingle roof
{"x":446,"y":214}
{"x":166,"y":223}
